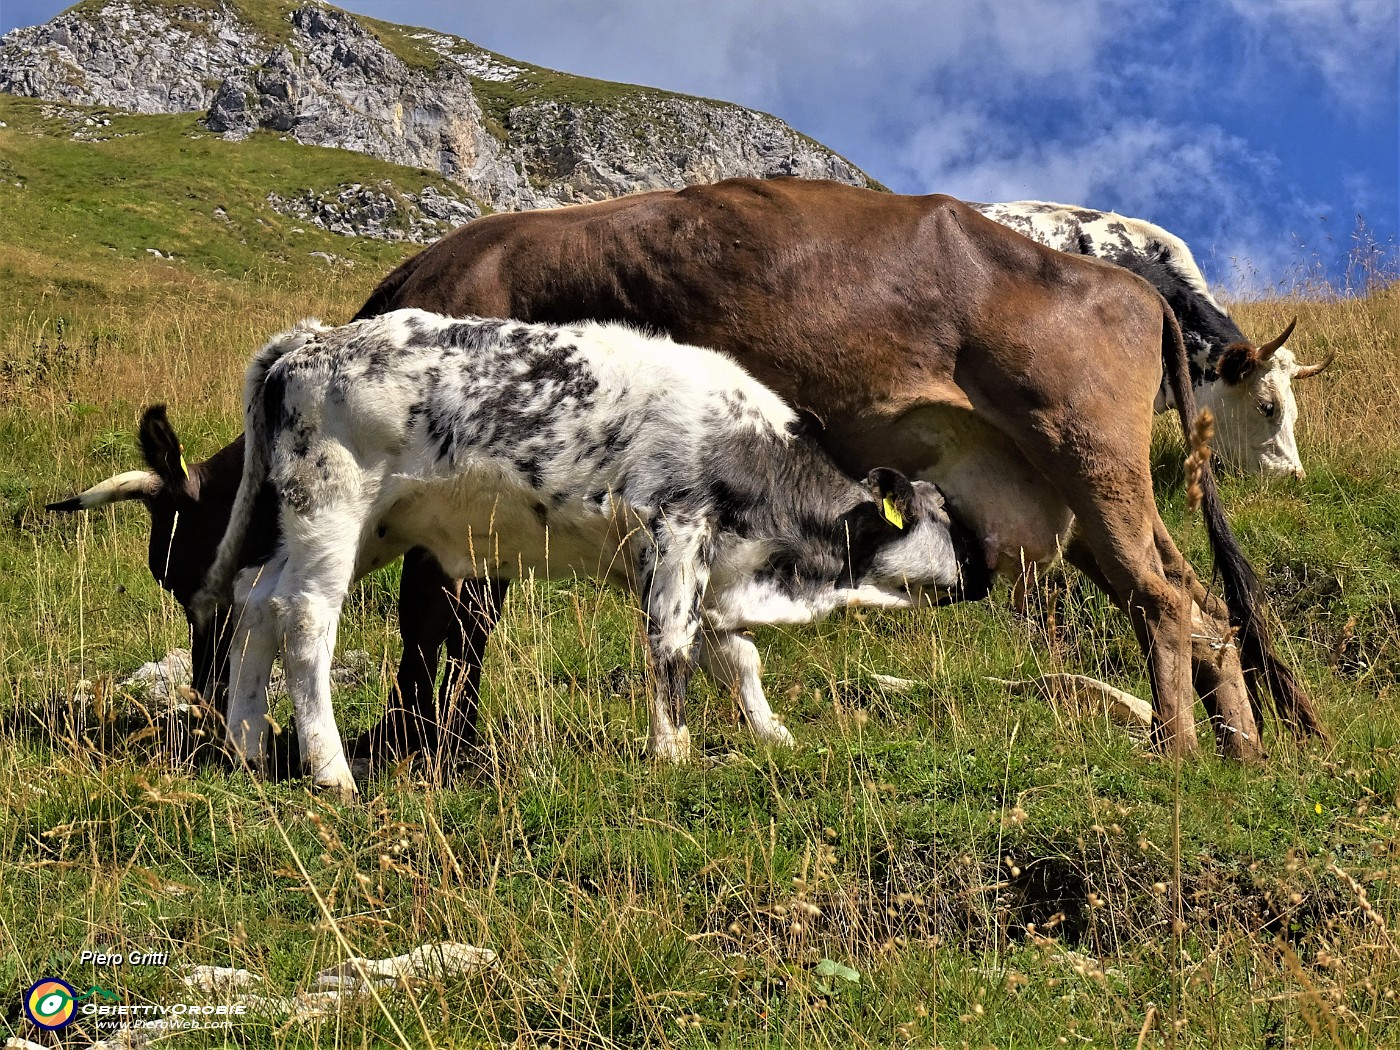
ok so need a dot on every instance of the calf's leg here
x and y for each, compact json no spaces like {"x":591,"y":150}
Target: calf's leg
{"x":732,"y":660}
{"x":308,"y":600}
{"x":310,"y":623}
{"x":675,"y":570}
{"x":255,"y":642}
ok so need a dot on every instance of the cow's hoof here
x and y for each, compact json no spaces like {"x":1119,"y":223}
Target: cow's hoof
{"x":339,"y":792}
{"x":777,"y":735}
{"x":1238,"y":745}
{"x":332,"y":776}
{"x":384,"y":745}
{"x":673,"y":748}
{"x":236,"y":758}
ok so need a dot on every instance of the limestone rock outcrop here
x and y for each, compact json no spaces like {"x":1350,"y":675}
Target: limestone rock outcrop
{"x":513,"y":136}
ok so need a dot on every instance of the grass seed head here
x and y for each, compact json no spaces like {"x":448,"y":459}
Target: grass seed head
{"x":1202,"y":430}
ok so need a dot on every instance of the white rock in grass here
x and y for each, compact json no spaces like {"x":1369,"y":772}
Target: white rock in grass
{"x":423,"y":963}
{"x":304,"y":1006}
{"x":164,"y":679}
{"x":338,"y":984}
{"x":899,"y":685}
{"x":161,"y":679}
{"x":354,"y":667}
{"x":1122,"y":708}
{"x":135,"y":1037}
{"x":218,"y":978}
{"x":17,"y":1043}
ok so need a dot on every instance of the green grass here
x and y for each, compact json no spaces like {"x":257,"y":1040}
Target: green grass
{"x":537,"y":85}
{"x":271,"y":19}
{"x":402,"y":43}
{"x":942,"y":866}
{"x":166,"y":183}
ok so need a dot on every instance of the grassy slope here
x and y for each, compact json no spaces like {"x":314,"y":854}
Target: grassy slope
{"x":914,"y":837}
{"x":269,"y":18}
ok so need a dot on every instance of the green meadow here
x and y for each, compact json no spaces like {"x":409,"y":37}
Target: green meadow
{"x":941,"y":862}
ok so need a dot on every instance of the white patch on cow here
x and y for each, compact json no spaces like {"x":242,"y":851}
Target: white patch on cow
{"x":1059,"y":226}
{"x":754,"y":601}
{"x":486,"y":524}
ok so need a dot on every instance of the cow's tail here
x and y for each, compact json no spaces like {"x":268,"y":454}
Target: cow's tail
{"x":1243,"y":594}
{"x":218,"y":582}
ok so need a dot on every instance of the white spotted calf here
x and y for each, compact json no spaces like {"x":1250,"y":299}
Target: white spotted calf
{"x":507,"y":448}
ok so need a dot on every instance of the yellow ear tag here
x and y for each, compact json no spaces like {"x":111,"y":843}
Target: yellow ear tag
{"x":891,"y":513}
{"x":184,"y":467}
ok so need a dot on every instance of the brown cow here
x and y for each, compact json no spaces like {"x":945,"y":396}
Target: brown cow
{"x":927,"y":338}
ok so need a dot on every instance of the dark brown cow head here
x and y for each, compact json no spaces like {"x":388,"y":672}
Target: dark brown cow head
{"x":190,"y":508}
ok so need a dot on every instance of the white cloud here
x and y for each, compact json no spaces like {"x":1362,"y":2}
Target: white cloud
{"x":1201,"y":182}
{"x":859,"y":75}
{"x":1127,"y":166}
{"x":1352,"y":44}
{"x":840,"y":54}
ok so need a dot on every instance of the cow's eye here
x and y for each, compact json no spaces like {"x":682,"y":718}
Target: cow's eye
{"x":1268,"y":408}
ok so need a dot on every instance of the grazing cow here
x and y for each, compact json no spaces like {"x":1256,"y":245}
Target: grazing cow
{"x":1248,"y":388}
{"x":925,"y":336}
{"x":505,"y":448}
{"x":189,"y":506}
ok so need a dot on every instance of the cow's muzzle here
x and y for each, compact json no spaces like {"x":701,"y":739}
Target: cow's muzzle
{"x":974,"y":577}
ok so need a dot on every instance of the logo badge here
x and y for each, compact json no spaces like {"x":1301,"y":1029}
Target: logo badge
{"x":50,"y":1004}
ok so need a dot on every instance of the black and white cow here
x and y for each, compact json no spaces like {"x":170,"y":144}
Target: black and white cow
{"x":506,"y":448}
{"x":1248,"y":388}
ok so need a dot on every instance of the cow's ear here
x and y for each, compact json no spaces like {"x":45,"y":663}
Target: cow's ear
{"x":894,"y":496}
{"x":161,"y":447}
{"x":807,"y":425}
{"x":1237,"y":361}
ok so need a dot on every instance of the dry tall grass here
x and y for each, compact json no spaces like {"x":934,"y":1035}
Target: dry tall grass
{"x":153,"y":333}
{"x":1344,"y":414}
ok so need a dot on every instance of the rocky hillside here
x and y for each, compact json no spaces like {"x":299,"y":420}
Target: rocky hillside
{"x":511,"y":134}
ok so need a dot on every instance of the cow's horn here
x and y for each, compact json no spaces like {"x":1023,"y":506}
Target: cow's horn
{"x":1304,"y":371}
{"x":134,"y":484}
{"x":1267,"y":350}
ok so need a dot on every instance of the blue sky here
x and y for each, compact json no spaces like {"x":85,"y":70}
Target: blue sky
{"x":1256,"y":129}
